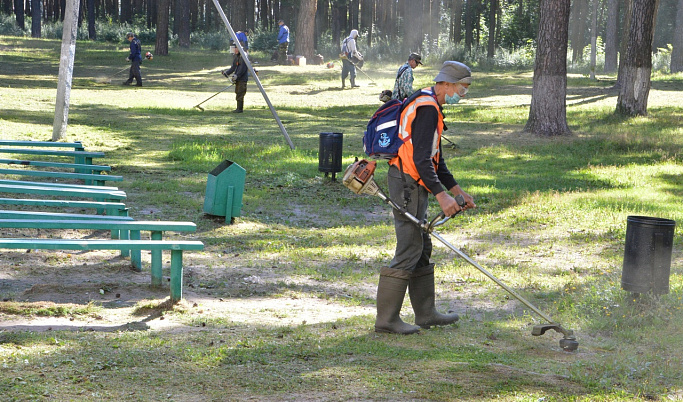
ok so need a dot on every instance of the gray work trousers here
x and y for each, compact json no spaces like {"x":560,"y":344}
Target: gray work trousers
{"x":413,"y":245}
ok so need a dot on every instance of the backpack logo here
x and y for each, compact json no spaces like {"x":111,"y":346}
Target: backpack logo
{"x":384,"y":140}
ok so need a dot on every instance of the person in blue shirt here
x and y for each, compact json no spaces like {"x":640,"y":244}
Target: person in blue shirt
{"x":283,"y":40}
{"x":242,"y":37}
{"x":135,"y":58}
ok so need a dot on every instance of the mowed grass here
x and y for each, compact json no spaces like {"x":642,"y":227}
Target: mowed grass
{"x":550,"y":223}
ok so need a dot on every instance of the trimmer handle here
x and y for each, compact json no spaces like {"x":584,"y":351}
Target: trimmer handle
{"x":441,"y":218}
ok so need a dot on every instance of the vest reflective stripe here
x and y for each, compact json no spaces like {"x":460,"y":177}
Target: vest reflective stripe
{"x":405,"y":152}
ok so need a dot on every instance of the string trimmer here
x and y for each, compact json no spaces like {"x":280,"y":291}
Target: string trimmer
{"x":359,"y":178}
{"x":198,"y":105}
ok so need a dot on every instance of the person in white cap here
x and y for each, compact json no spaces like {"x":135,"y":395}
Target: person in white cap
{"x":420,"y":169}
{"x":350,"y":57}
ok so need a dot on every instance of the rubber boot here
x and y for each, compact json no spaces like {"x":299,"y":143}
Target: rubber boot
{"x":421,"y":291}
{"x":240,"y":106}
{"x":343,"y":83}
{"x":390,"y":294}
{"x":353,"y":83}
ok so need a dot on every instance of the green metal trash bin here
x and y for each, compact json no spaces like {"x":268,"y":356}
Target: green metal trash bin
{"x":224,"y":189}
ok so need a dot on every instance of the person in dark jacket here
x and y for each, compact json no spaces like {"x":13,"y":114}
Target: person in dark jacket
{"x":239,"y":74}
{"x":135,"y":58}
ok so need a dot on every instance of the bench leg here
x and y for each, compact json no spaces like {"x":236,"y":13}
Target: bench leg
{"x":156,"y":261}
{"x":136,"y":255}
{"x":124,"y":235}
{"x":176,"y":275}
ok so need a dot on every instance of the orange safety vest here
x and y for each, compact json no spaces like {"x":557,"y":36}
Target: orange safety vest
{"x":405,"y":152}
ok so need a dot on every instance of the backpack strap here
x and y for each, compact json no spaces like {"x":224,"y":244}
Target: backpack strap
{"x":407,"y":188}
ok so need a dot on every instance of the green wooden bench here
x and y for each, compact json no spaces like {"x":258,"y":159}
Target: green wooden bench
{"x":109,"y":208}
{"x":82,"y":157}
{"x":129,"y":229}
{"x":96,"y":179}
{"x":82,"y":168}
{"x":98,"y":193}
{"x":10,"y":214}
{"x":49,"y":185}
{"x":175,"y":246}
{"x":77,"y":146}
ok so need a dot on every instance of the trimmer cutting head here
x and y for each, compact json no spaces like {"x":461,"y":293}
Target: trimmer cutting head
{"x":568,"y":343}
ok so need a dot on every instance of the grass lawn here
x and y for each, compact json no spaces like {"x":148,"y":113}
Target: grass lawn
{"x":280,"y":304}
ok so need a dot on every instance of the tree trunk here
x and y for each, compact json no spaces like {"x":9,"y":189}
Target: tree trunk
{"x":493,"y":11}
{"x":19,"y":13}
{"x":92,"y":32}
{"x":635,"y":86}
{"x":457,"y":21}
{"x":183,"y":17}
{"x":305,"y":29}
{"x":548,"y":111}
{"x":36,"y":10}
{"x":611,"y":30}
{"x":469,"y":24}
{"x":578,"y":17}
{"x":594,"y":37}
{"x":161,"y":48}
{"x":623,"y":45}
{"x":412,"y":34}
{"x":367,"y":17}
{"x":677,"y":53}
{"x":126,"y":11}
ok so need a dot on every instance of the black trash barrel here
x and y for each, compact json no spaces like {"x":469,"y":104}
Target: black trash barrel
{"x":647,"y":254}
{"x":330,"y":153}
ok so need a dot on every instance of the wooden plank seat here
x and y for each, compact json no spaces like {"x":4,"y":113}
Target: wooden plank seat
{"x":11,"y":214}
{"x":109,"y":208}
{"x":50,"y":184}
{"x":130,"y":230}
{"x":94,"y":192}
{"x":175,"y":246}
{"x":77,"y":146}
{"x":80,"y":157}
{"x":97,"y":179}
{"x":83,"y":168}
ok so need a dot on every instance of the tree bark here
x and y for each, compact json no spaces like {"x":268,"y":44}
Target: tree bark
{"x":611,"y":30}
{"x":183,"y":17}
{"x":19,"y":14}
{"x":66,"y":69}
{"x":92,"y":32}
{"x":623,"y":44}
{"x":677,"y":53}
{"x":493,"y":11}
{"x":470,"y":16}
{"x":161,"y":48}
{"x":635,"y":86}
{"x":594,"y":37}
{"x":548,"y":111}
{"x":578,"y":16}
{"x":457,"y":21}
{"x":412,"y":26}
{"x":36,"y":9}
{"x":305,"y":29}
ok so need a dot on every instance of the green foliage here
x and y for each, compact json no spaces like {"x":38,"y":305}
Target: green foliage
{"x":8,"y":26}
{"x":263,"y":39}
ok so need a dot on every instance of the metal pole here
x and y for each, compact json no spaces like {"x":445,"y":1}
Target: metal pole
{"x":253,"y":74}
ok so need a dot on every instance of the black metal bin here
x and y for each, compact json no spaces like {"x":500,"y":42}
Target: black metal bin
{"x":330,"y":153}
{"x":647,"y":254}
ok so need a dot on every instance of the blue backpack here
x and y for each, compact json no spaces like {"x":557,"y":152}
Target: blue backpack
{"x":381,"y":139}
